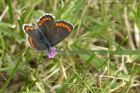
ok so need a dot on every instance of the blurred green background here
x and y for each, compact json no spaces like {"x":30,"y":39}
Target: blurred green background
{"x":101,"y":55}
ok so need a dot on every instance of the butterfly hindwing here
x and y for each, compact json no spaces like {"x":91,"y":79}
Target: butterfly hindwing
{"x":35,"y":43}
{"x":28,"y":29}
{"x":34,"y":37}
{"x":61,"y":30}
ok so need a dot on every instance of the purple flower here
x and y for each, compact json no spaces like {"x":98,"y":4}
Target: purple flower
{"x":52,"y":53}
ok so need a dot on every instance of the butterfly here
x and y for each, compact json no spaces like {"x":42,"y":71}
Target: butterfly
{"x":47,"y":33}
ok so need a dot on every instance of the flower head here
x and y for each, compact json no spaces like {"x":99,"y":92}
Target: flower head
{"x":52,"y":53}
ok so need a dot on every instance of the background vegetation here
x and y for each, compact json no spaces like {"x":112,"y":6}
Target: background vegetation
{"x":101,"y":55}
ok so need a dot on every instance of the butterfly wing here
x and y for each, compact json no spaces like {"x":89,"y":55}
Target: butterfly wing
{"x":34,"y":37}
{"x":46,"y":25}
{"x":29,"y":29}
{"x":36,"y":44}
{"x":61,"y":30}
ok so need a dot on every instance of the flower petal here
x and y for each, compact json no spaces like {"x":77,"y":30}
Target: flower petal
{"x":52,"y":53}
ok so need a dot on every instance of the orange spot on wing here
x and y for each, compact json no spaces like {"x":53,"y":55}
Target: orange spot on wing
{"x":44,"y":19}
{"x":56,"y":24}
{"x":63,"y":26}
{"x":29,"y":28}
{"x":49,"y":19}
{"x":39,"y":24}
{"x":26,"y":28}
{"x":31,"y":42}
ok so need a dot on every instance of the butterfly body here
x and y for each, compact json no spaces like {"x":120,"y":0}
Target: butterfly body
{"x":47,"y":33}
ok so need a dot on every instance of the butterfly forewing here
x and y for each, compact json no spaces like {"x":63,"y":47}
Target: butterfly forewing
{"x":46,"y":25}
